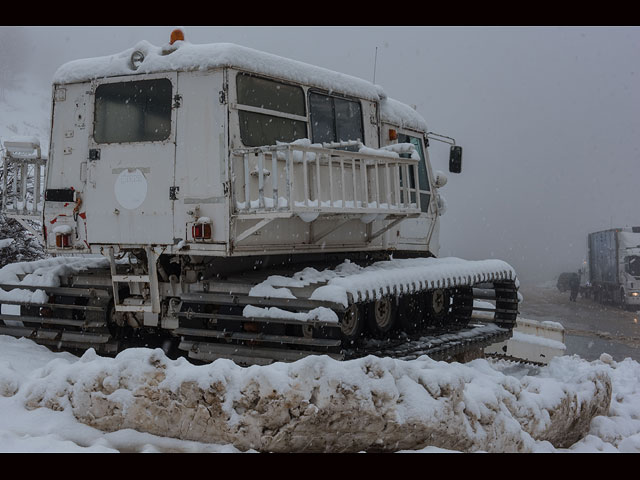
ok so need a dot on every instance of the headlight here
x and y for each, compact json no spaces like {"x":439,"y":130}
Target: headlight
{"x":137,"y":58}
{"x":634,"y":294}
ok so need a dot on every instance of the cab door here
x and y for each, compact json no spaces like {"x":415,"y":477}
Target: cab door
{"x":130,"y":170}
{"x":415,"y":233}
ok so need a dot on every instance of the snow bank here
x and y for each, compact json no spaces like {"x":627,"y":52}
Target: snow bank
{"x":319,"y":404}
{"x":44,"y":273}
{"x":321,"y":314}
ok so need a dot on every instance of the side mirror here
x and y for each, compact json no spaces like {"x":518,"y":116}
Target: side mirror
{"x":455,"y":159}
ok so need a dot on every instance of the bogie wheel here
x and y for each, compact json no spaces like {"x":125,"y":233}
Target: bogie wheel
{"x":437,"y":306}
{"x":382,"y":315}
{"x":352,"y":323}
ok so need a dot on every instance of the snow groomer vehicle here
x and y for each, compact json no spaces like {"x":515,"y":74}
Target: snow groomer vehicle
{"x":237,"y":204}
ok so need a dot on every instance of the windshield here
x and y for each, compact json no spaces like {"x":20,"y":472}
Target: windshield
{"x":633,"y":265}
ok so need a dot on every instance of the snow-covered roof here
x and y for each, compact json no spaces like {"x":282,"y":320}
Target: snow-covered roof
{"x":398,"y":113}
{"x":187,"y":56}
{"x":629,"y":240}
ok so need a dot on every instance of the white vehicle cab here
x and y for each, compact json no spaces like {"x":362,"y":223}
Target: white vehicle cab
{"x":251,"y":207}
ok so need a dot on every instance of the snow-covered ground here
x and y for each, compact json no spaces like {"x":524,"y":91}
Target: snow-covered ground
{"x":44,"y":430}
{"x":29,"y":371}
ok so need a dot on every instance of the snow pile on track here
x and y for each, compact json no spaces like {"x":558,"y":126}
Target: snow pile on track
{"x":319,"y":404}
{"x":386,"y":277}
{"x":43,"y":273}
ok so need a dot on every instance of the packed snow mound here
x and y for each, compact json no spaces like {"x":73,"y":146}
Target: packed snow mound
{"x":43,"y":273}
{"x":318,"y":404}
{"x":385,"y":277}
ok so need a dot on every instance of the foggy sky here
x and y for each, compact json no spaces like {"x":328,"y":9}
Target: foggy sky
{"x":548,"y":118}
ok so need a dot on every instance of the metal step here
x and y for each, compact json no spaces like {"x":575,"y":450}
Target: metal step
{"x":130,"y":278}
{"x":133,"y":304}
{"x":152,"y":305}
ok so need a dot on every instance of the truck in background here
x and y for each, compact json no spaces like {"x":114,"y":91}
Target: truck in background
{"x":612,"y":270}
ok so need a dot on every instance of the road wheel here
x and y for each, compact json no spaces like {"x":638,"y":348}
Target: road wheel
{"x":352,"y":323}
{"x":382,"y":315}
{"x":438,"y":304}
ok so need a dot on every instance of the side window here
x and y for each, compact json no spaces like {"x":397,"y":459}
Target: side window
{"x":334,"y":119}
{"x":138,"y":111}
{"x":269,"y":111}
{"x":422,"y":170}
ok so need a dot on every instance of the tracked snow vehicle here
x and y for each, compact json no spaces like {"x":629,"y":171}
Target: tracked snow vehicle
{"x":242,"y":205}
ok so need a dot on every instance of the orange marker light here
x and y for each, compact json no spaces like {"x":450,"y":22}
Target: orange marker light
{"x":393,"y":135}
{"x":176,"y":35}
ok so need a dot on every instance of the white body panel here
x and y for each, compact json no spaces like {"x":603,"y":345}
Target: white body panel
{"x":69,"y":147}
{"x":201,"y":147}
{"x":127,"y":192}
{"x":124,"y":195}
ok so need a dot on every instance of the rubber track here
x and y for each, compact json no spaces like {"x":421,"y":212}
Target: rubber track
{"x":89,"y":330}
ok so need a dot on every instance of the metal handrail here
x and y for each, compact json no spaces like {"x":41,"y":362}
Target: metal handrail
{"x":309,"y":178}
{"x":22,"y":180}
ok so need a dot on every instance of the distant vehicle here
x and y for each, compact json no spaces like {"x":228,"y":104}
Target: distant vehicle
{"x":613,"y":266}
{"x":564,"y":281}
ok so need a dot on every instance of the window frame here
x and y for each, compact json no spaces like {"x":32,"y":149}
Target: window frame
{"x":128,"y":80}
{"x":267,"y":111}
{"x":333,"y":96}
{"x":422,"y":165}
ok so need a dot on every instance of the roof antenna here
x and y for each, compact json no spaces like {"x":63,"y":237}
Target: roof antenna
{"x":375,"y":61}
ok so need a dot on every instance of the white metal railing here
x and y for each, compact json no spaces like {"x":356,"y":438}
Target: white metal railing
{"x":22,"y":179}
{"x":304,"y":178}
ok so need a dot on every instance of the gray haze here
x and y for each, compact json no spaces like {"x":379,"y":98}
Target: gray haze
{"x":548,"y":118}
